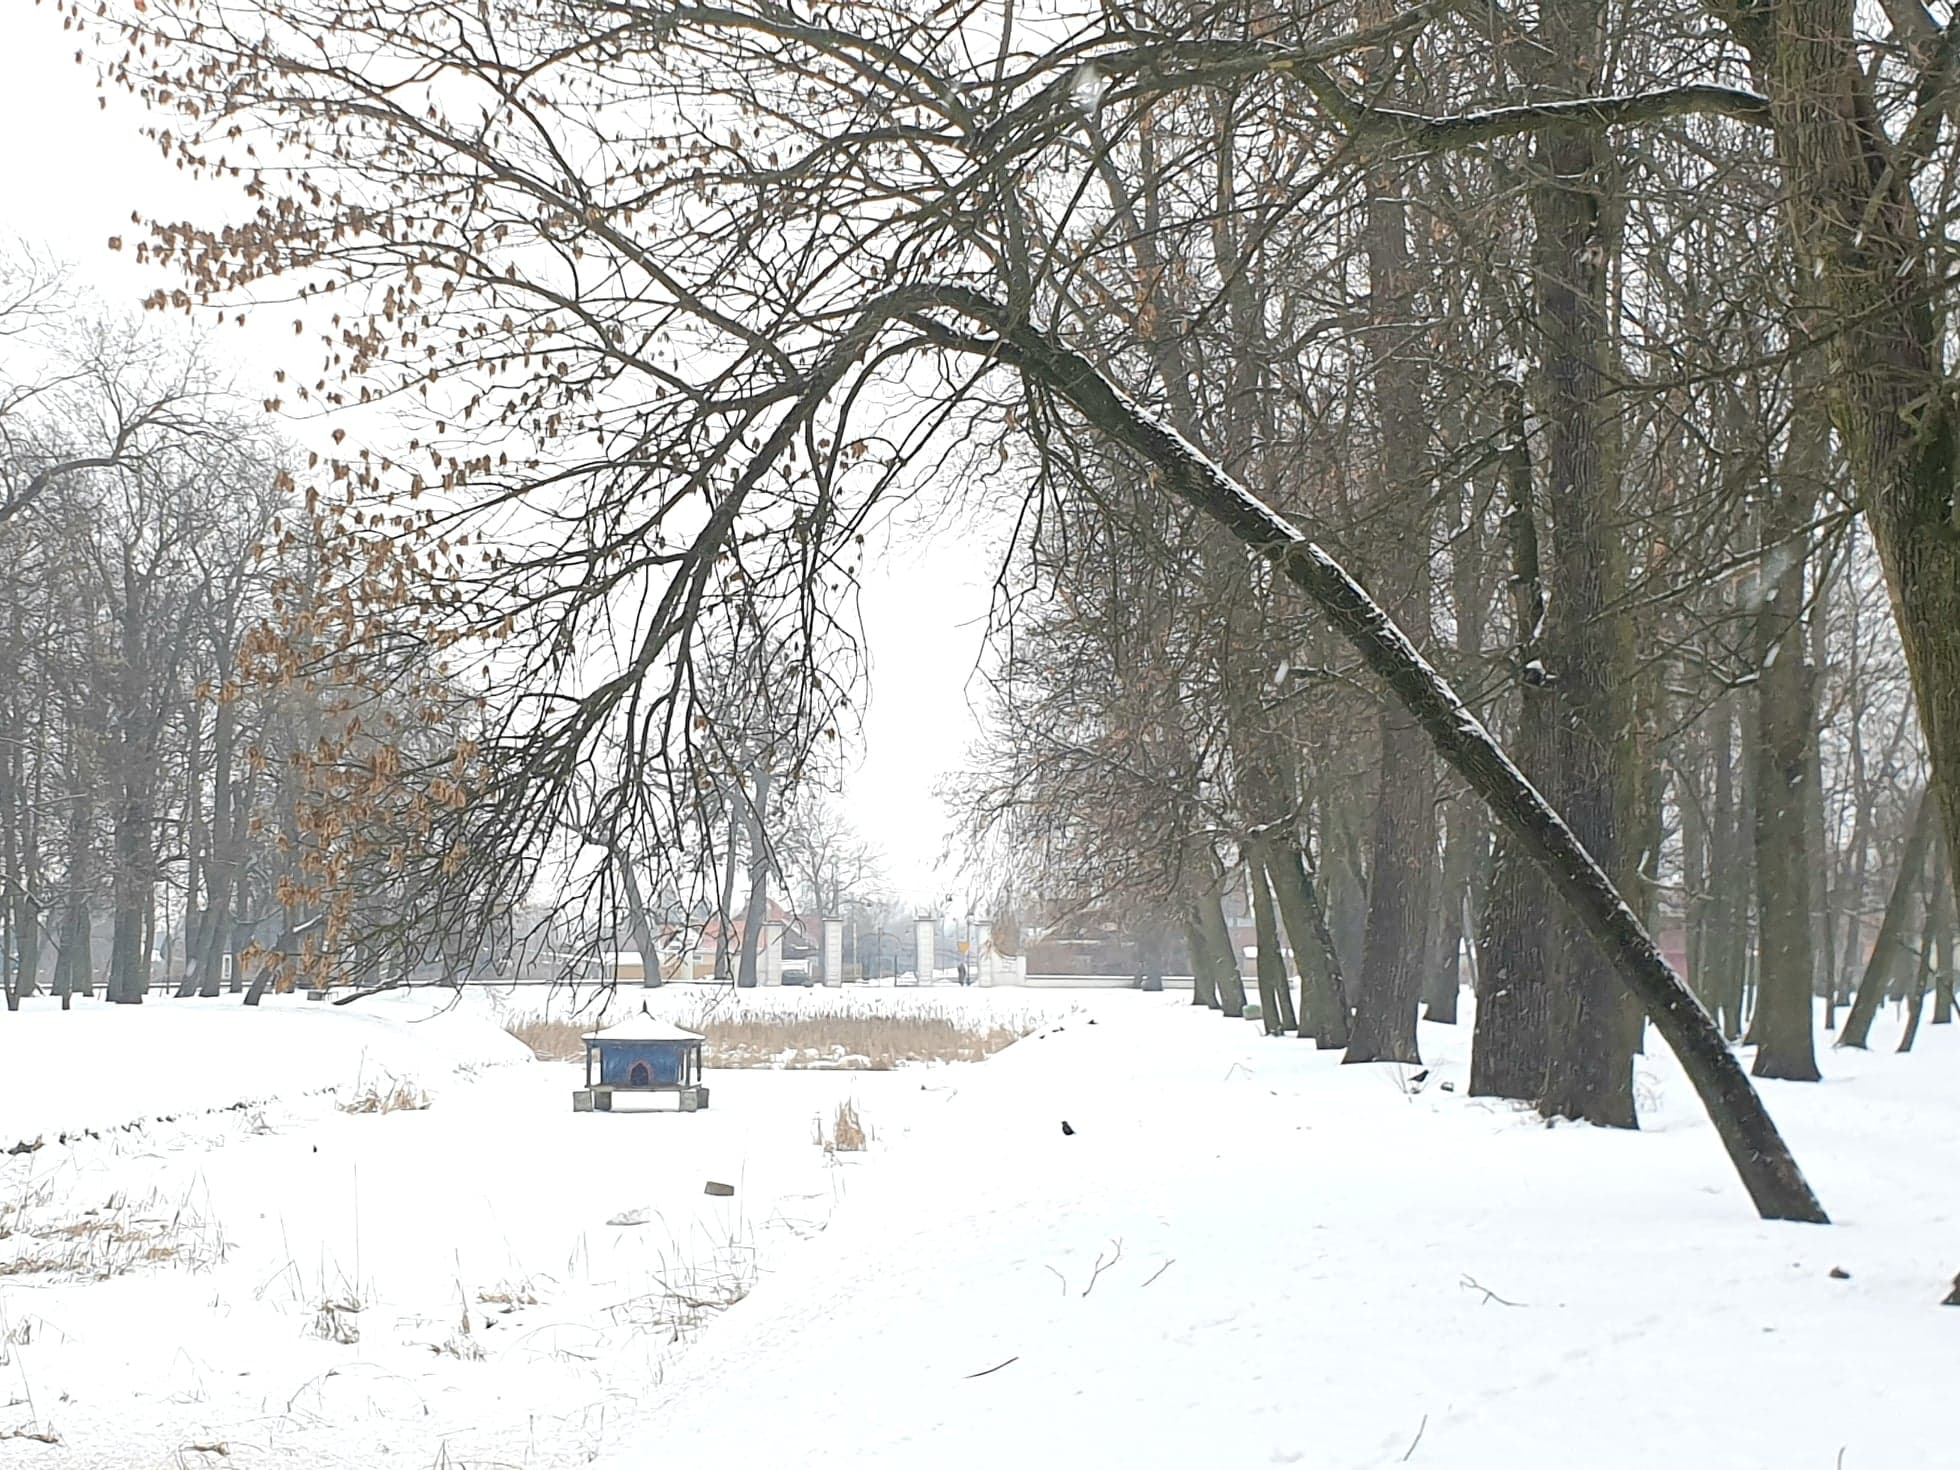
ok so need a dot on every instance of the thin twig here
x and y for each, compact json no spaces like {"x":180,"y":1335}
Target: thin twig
{"x":1417,"y":1440}
{"x":995,"y":1369}
{"x":1059,"y":1277}
{"x":1489,"y":1296}
{"x":1160,"y":1271}
{"x":1102,"y":1266}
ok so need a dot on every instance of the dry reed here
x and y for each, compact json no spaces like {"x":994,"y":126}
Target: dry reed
{"x":841,"y":1036}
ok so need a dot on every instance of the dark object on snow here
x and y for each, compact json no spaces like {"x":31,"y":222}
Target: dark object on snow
{"x":1838,"y":1273}
{"x":720,"y":1191}
{"x":1953,"y":1296}
{"x":1067,"y":1132}
{"x":1447,"y":1086}
{"x":1420,"y":1077}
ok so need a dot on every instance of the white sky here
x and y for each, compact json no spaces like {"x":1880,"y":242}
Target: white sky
{"x":72,"y":172}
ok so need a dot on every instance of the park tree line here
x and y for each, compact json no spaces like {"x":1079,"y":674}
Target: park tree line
{"x":1391,"y":376}
{"x":163,"y":818}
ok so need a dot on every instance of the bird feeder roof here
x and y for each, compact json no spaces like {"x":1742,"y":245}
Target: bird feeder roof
{"x":642,"y":1027}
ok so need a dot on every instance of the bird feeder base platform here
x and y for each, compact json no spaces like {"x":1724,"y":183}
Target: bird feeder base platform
{"x":600,"y":1099}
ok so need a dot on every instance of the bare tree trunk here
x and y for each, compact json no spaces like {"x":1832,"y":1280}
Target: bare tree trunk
{"x":758,"y":909}
{"x":1943,"y":978}
{"x":636,"y":916}
{"x":1463,"y":837}
{"x":1729,"y":882}
{"x":1593,"y":1028}
{"x":1890,"y":945}
{"x":725,"y":911}
{"x":1510,"y":1047}
{"x":1323,"y":995}
{"x":1204,"y":972}
{"x":1402,"y":844}
{"x":1275,"y":988}
{"x":1823,"y":932}
{"x":1218,"y":943}
{"x":1785,"y":723}
{"x":1923,"y":975}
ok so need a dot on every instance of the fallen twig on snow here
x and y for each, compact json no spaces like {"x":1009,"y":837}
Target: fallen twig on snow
{"x":1471,"y":1283}
{"x":995,"y":1369}
{"x":1160,"y":1271}
{"x":1102,"y":1266}
{"x":1417,"y":1440}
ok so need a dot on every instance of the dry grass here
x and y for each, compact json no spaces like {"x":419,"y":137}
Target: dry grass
{"x":839,"y":1036}
{"x":337,"y":1319}
{"x":847,"y":1134}
{"x":399,"y":1097}
{"x":122,"y":1236}
{"x":551,"y":1041}
{"x":850,"y":1037}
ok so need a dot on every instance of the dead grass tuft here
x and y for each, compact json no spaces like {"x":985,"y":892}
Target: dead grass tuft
{"x":338,"y":1320}
{"x":847,"y":1134}
{"x":401,"y":1097}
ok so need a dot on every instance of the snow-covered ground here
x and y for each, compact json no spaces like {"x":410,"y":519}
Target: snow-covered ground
{"x":1244,"y":1255}
{"x":304,"y":1286}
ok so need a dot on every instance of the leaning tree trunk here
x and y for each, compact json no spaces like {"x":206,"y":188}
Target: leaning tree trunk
{"x":1761,"y":1158}
{"x":1891,"y":942}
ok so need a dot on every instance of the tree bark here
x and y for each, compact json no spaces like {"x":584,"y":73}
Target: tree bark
{"x":1891,"y":942}
{"x":1923,"y":973}
{"x":725,"y":911}
{"x":636,"y":916}
{"x":1323,"y":994}
{"x":1218,"y":944}
{"x":1275,"y":988}
{"x":1590,"y":1076}
{"x":758,"y":910}
{"x":1402,"y":842}
{"x":1943,"y":977}
{"x":1510,"y":1046}
{"x":1204,"y":974}
{"x":1784,"y":725}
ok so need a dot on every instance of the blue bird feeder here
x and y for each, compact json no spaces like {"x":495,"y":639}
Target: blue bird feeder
{"x":641,"y":1055}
